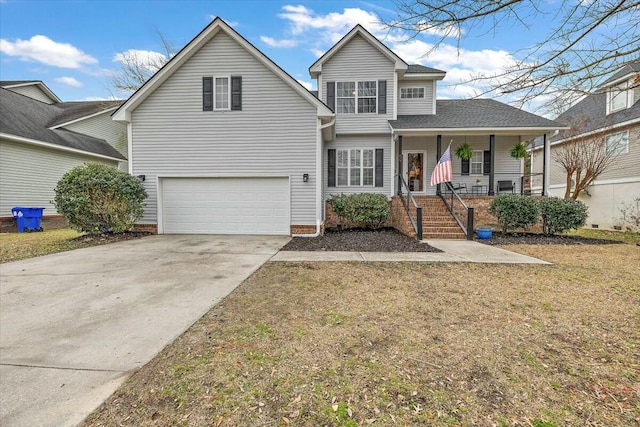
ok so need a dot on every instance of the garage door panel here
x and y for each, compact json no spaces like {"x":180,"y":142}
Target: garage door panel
{"x":226,"y":205}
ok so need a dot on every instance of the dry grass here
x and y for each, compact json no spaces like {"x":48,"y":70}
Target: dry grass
{"x":15,"y":246}
{"x":346,"y":344}
{"x":627,"y":237}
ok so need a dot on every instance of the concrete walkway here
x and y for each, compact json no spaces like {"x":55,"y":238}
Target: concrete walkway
{"x":74,"y":325}
{"x":452,"y":251}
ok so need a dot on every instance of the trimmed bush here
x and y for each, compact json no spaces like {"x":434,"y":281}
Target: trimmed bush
{"x":514,"y":211}
{"x":97,"y":198}
{"x":560,"y":215}
{"x":370,"y":210}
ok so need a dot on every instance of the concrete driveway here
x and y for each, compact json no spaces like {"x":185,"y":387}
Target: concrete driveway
{"x":74,"y":325}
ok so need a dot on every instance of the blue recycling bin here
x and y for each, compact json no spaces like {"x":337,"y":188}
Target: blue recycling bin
{"x":27,"y":218}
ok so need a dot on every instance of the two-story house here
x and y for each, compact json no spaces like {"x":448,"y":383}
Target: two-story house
{"x":42,"y":138}
{"x":611,"y":116}
{"x":230,"y":143}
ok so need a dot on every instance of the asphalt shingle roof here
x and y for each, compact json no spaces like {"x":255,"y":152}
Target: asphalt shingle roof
{"x":417,"y":69}
{"x":25,"y":117}
{"x":4,"y":83}
{"x":75,"y":110}
{"x":632,"y":67}
{"x":472,"y":113}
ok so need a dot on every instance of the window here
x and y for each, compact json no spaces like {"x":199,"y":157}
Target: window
{"x":476,"y":162}
{"x":618,"y":143}
{"x":412,"y":93}
{"x":355,"y":167}
{"x":222,"y":95}
{"x":362,"y":101}
{"x":617,"y":97}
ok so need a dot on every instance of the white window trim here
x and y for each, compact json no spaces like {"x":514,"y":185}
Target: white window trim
{"x":625,"y":137}
{"x":471,"y":163}
{"x":355,"y":95}
{"x":622,"y":89}
{"x":228,"y":77}
{"x":424,"y":92}
{"x":361,"y":167}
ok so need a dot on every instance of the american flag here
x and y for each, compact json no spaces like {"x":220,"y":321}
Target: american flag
{"x":443,"y":171}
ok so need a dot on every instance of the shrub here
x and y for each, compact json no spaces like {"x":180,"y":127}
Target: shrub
{"x":96,"y":198}
{"x":560,"y":215}
{"x":371,"y":210}
{"x":514,"y":211}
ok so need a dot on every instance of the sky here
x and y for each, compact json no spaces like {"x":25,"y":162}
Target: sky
{"x":74,"y":46}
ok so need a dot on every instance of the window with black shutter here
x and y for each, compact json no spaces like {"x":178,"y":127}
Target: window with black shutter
{"x":464,"y":167}
{"x":486,"y":162}
{"x":207,"y":94}
{"x":331,"y":95}
{"x":382,"y":97}
{"x":236,"y":93}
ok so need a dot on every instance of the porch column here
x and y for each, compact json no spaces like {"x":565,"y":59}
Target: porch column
{"x":399,"y":165}
{"x":438,"y":154}
{"x":492,"y":156}
{"x":546,"y":164}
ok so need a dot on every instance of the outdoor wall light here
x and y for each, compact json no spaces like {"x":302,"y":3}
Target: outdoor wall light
{"x":142,"y":177}
{"x":305,"y":177}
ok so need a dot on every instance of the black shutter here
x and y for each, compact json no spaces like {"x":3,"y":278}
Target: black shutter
{"x":382,"y":97}
{"x":465,"y":167}
{"x":379,"y":167}
{"x":331,"y":96}
{"x":486,"y":160}
{"x":207,"y":94}
{"x":331,"y":172}
{"x":236,"y":92}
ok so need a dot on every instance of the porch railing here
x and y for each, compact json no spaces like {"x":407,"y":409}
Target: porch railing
{"x":409,"y":201}
{"x":459,"y":210}
{"x":525,"y":184}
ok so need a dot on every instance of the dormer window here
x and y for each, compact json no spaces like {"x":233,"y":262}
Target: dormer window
{"x":412,"y":93}
{"x":617,"y":98}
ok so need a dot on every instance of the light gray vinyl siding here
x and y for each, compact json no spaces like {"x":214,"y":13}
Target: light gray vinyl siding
{"x":506,"y":168}
{"x":360,"y":61}
{"x":33,"y":91}
{"x":29,"y":173}
{"x":417,"y":106}
{"x":344,"y":142}
{"x":275,"y":134}
{"x":101,"y":126}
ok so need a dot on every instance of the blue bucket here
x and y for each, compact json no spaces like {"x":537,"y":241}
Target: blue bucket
{"x":484,"y":233}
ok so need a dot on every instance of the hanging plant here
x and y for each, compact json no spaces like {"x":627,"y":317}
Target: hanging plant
{"x":519,"y":151}
{"x":464,"y":152}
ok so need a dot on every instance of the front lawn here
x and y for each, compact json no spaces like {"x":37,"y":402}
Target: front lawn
{"x":347,"y":344}
{"x":15,"y":246}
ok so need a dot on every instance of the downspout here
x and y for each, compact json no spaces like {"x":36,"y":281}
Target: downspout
{"x":319,"y":200}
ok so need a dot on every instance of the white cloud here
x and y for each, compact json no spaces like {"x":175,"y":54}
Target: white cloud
{"x":42,"y":49}
{"x":69,"y":81}
{"x":278,"y":43}
{"x":307,"y":85}
{"x":148,"y":59}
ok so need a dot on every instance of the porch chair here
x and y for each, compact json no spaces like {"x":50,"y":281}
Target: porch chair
{"x":459,"y":187}
{"x":505,"y":186}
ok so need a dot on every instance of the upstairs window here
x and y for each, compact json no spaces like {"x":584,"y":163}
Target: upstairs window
{"x":412,"y":93}
{"x":357,"y":97}
{"x":618,"y":143}
{"x":367,"y":96}
{"x":617,"y":98}
{"x":222,"y":94}
{"x":346,"y":97}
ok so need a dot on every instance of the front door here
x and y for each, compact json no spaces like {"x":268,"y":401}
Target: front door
{"x":413,"y":165}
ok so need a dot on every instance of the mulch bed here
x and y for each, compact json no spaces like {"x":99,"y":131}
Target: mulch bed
{"x":359,"y":240}
{"x":499,"y":238}
{"x":111,"y":237}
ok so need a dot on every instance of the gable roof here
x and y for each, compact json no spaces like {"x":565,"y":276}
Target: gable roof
{"x":627,"y":70}
{"x":474,"y":115}
{"x":79,"y":110}
{"x":316,"y":68}
{"x":217,"y":25}
{"x":421,"y":69}
{"x":26,"y":119}
{"x":7,"y":84}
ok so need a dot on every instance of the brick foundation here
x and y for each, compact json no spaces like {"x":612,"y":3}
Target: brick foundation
{"x":303,"y":229}
{"x":399,"y":219}
{"x":47,"y":222}
{"x":149,"y":228}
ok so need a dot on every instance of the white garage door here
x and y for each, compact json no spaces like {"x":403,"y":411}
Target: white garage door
{"x":225,"y":205}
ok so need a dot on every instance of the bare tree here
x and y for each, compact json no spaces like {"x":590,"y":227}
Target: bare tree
{"x":581,"y":45}
{"x":583,"y":158}
{"x":138,"y":66}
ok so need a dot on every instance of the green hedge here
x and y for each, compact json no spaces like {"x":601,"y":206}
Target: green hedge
{"x":560,"y":215}
{"x":97,"y":198}
{"x":371,"y":210}
{"x":514,"y":211}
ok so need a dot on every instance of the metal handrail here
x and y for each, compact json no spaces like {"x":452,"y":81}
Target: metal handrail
{"x":468,"y":229}
{"x":417,"y":223}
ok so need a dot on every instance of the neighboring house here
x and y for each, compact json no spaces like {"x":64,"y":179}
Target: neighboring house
{"x":42,"y":138}
{"x":612,"y":114}
{"x":230,"y":143}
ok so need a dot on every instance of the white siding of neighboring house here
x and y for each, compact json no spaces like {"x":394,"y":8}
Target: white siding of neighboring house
{"x":102,"y":126}
{"x":28,"y":174}
{"x":359,"y":61}
{"x":417,"y":106}
{"x":362,"y":142}
{"x":33,"y":91}
{"x":506,"y":168}
{"x":275,"y":134}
